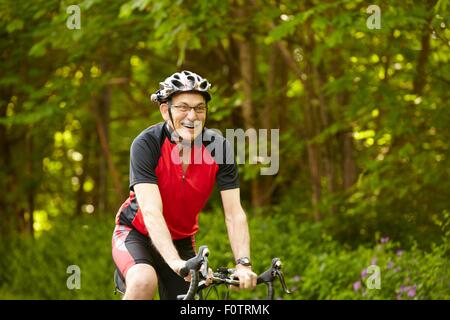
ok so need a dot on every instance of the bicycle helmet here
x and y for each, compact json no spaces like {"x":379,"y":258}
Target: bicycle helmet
{"x":184,"y":81}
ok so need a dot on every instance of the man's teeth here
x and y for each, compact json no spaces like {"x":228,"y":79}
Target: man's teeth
{"x":190,"y":126}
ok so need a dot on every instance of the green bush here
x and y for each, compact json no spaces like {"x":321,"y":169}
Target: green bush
{"x":314,"y":264}
{"x":317,"y":267}
{"x":343,"y":274}
{"x":38,"y":268}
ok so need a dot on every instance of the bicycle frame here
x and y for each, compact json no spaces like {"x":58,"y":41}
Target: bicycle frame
{"x":198,"y":268}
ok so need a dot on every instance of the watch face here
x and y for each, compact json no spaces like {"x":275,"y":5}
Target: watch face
{"x":244,"y":261}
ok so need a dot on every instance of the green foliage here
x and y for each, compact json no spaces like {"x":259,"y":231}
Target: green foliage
{"x":318,"y":267}
{"x":314,"y":264}
{"x":38,"y":268}
{"x":342,"y":274}
{"x":386,"y":89}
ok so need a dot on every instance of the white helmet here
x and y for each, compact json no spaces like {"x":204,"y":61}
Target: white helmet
{"x":184,"y":81}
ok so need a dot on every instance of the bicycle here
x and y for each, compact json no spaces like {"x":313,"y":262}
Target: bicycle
{"x":198,"y":268}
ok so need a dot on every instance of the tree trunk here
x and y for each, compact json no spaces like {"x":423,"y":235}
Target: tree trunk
{"x":310,"y":128}
{"x":5,"y":167}
{"x":87,"y":136}
{"x":246,"y":59}
{"x":420,"y":77}
{"x":325,"y":120}
{"x":102,"y":124}
{"x":317,"y":79}
{"x":282,"y":119}
{"x":348,"y":162}
{"x":269,"y":111}
{"x":312,"y":125}
{"x":419,"y":81}
{"x":247,"y":70}
{"x":313,"y":155}
{"x":31,"y":184}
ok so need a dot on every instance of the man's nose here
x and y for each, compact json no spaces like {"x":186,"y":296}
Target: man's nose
{"x":192,"y":115}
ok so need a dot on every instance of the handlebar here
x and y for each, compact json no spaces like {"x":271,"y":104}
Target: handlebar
{"x":269,"y":275}
{"x":193,"y":266}
{"x":196,"y":262}
{"x":225,"y":275}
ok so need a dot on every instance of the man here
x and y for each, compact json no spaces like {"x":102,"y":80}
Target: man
{"x":155,"y":226}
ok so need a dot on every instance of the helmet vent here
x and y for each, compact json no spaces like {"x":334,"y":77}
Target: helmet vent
{"x":203,"y":85}
{"x":177,"y":84}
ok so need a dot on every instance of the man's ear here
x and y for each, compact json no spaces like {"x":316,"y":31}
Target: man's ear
{"x":164,"y":109}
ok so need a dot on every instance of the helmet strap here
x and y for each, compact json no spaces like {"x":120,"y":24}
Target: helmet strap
{"x":169,"y":103}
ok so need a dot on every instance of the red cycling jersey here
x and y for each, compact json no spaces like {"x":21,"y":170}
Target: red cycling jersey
{"x":153,"y":160}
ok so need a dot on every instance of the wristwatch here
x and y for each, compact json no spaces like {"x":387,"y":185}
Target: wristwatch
{"x":245,"y":261}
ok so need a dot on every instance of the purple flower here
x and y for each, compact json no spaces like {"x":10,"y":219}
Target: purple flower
{"x":400,"y":253}
{"x":357,"y":286}
{"x":397,"y":269}
{"x":390,"y":265}
{"x":403,"y":288}
{"x":411,"y":292}
{"x":296,"y":278}
{"x":384,"y":240}
{"x":363,"y":273}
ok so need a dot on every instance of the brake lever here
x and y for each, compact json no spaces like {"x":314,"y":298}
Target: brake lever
{"x":283,"y":283}
{"x":204,"y":269}
{"x":276,"y":265}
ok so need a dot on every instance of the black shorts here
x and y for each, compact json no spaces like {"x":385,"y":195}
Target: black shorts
{"x":130,"y":247}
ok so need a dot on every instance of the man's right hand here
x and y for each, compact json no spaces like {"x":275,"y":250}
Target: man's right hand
{"x":176,"y":266}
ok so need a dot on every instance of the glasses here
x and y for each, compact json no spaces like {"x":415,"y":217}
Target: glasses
{"x":184,"y":108}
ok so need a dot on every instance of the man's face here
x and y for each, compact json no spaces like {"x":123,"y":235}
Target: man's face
{"x":188,"y":122}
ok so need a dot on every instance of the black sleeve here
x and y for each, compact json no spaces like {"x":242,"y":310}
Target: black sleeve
{"x":227,"y":177}
{"x":144,"y":154}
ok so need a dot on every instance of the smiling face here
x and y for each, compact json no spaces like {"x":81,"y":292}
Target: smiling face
{"x":188,"y":123}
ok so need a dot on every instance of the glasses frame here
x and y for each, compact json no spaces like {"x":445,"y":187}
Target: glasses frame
{"x":178,"y":108}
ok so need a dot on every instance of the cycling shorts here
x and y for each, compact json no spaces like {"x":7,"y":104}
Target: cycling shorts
{"x":130,"y":247}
